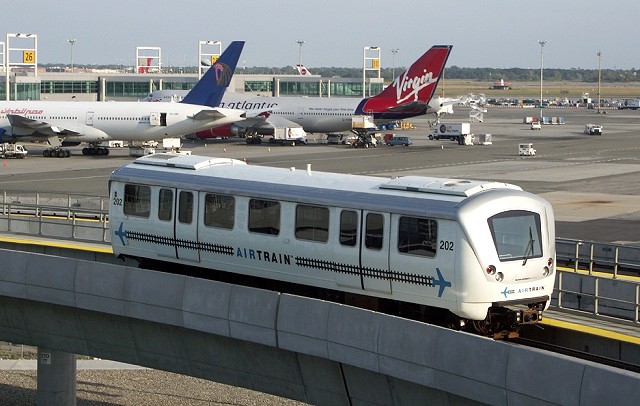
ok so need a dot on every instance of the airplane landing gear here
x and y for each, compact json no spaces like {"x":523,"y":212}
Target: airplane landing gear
{"x":56,"y":153}
{"x":93,"y":150}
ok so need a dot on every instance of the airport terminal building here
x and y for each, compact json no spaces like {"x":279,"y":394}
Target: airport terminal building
{"x":112,"y":86}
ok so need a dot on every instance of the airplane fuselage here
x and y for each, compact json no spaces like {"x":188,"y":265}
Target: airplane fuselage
{"x":100,"y":121}
{"x":314,"y":114}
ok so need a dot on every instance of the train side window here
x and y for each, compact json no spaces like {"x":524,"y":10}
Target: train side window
{"x":348,"y":228}
{"x":137,"y":200}
{"x":374,"y":231}
{"x":312,"y":223}
{"x":264,"y":216}
{"x":185,"y":207}
{"x":219,"y":211}
{"x":165,"y":204}
{"x":418,"y":236}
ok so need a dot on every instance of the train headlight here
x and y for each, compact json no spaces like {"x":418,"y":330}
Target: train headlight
{"x":499,"y":276}
{"x":546,"y":271}
{"x":491,"y":270}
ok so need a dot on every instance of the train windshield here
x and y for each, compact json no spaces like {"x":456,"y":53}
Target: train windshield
{"x":516,"y":235}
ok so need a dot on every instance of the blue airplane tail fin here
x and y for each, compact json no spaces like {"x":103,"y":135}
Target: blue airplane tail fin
{"x":211,"y":87}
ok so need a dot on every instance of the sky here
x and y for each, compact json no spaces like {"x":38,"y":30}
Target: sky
{"x":489,"y":33}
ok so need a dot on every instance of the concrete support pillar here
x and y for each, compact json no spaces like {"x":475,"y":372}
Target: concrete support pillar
{"x":56,"y":378}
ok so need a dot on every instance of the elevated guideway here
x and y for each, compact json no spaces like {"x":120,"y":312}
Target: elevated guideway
{"x":300,"y":348}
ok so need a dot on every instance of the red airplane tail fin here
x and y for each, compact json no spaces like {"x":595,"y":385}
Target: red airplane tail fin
{"x":413,"y":88}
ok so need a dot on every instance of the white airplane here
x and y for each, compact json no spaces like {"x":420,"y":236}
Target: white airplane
{"x":71,"y":123}
{"x":302,"y":70}
{"x":409,"y":95}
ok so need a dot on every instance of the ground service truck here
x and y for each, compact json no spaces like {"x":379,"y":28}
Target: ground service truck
{"x":8,"y":150}
{"x":289,"y":136}
{"x":633,"y":104}
{"x":452,"y":131}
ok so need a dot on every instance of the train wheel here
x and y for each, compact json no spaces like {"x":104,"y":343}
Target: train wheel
{"x":61,"y":154}
{"x":67,"y":153}
{"x":46,"y":153}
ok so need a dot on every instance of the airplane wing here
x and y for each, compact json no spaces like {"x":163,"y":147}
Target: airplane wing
{"x":208,"y":115}
{"x":213,"y":114}
{"x":265,"y":121}
{"x":27,"y":127}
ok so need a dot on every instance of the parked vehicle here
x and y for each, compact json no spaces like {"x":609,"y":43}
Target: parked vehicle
{"x":405,"y":141}
{"x":633,"y":104}
{"x":334,"y":139}
{"x":451,"y":131}
{"x":536,"y":125}
{"x":289,"y":136}
{"x":593,"y":129}
{"x":8,"y":150}
{"x":526,"y":149}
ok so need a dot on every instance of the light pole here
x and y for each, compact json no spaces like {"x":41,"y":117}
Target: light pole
{"x":375,"y":65}
{"x":541,"y":74}
{"x":599,"y":79}
{"x":300,"y":42}
{"x":393,"y":63}
{"x":71,"y":41}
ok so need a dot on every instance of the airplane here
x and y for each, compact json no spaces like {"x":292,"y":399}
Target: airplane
{"x":70,"y":123}
{"x":409,"y":95}
{"x":302,"y":70}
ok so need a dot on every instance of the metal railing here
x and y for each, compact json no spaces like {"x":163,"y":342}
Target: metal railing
{"x":65,"y":216}
{"x":604,"y":279}
{"x":590,"y":255}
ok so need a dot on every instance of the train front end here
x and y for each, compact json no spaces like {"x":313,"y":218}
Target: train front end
{"x":510,"y":263}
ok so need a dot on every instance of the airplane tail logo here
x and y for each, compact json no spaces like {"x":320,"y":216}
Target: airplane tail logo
{"x":223,"y":74}
{"x":302,"y":70}
{"x":412,"y":90}
{"x":210,"y":89}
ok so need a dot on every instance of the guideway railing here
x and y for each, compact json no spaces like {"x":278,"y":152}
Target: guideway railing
{"x":65,"y":216}
{"x":599,"y":278}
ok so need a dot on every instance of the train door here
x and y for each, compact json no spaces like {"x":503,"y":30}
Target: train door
{"x":374,"y":251}
{"x":186,"y":225}
{"x":346,"y":252}
{"x":165,"y":224}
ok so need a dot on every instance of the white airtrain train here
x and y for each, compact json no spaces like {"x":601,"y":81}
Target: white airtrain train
{"x":473,"y":255}
{"x":59,"y":122}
